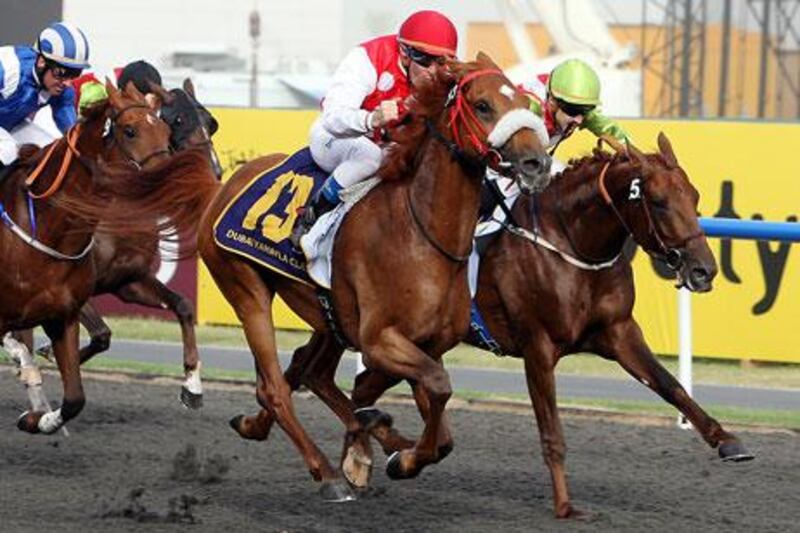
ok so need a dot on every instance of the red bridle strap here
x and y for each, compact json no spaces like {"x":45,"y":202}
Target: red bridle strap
{"x":462,"y":111}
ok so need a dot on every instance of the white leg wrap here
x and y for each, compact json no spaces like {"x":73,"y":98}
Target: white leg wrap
{"x":51,"y":422}
{"x":192,"y":381}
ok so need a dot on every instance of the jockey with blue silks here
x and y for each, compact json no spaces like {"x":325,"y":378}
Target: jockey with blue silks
{"x":32,"y":77}
{"x":366,"y":94}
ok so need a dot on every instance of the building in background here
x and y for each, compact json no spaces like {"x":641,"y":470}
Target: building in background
{"x":664,"y":58}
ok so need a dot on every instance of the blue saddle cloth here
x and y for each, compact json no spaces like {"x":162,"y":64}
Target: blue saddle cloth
{"x":258,"y":222}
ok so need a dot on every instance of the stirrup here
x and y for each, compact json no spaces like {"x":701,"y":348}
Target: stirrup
{"x":302,"y":226}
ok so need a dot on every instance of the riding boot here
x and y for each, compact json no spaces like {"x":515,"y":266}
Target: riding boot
{"x":318,"y":207}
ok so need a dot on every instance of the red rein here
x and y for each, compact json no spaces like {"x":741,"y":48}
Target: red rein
{"x":462,"y":111}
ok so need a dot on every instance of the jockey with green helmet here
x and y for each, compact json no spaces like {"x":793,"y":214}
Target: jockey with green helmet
{"x":366,"y":94}
{"x":567,"y":99}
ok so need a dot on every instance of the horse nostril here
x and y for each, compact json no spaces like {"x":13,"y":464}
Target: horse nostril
{"x":700,"y":274}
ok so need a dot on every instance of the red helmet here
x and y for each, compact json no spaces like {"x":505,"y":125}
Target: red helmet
{"x":431,"y":32}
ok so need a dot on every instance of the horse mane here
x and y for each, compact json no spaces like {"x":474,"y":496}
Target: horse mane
{"x":426,"y":103}
{"x":169,"y":199}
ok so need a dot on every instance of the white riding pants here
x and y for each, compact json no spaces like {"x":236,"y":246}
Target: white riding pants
{"x":26,"y":133}
{"x":349,"y":159}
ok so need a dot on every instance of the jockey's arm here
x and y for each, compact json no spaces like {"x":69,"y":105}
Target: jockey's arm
{"x":599,"y":124}
{"x":63,"y":107}
{"x":353,"y":81}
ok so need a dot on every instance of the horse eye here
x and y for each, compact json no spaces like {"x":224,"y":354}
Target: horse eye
{"x":129,"y":132}
{"x":179,"y":121}
{"x":483,"y":107}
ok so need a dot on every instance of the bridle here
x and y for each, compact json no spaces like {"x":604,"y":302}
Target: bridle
{"x":460,"y":112}
{"x":112,"y":134}
{"x":670,"y":254}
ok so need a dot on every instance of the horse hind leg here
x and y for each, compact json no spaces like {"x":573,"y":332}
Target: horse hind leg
{"x":151,"y":292}
{"x":625,"y":343}
{"x":252,"y":301}
{"x":64,"y":336}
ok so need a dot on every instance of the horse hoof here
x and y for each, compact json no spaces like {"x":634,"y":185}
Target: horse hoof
{"x":370,"y":417}
{"x":734,"y":451}
{"x":45,"y":352}
{"x":395,"y":470}
{"x":568,"y":512}
{"x":336,"y":491}
{"x":357,"y":468}
{"x":29,"y":422}
{"x":191,"y":400}
{"x":238,"y":425}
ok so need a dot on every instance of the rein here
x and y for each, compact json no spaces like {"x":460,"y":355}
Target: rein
{"x":456,"y":258}
{"x":72,"y":151}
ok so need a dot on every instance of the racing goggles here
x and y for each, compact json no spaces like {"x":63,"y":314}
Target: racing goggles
{"x":421,"y":58}
{"x":63,"y":73}
{"x":574,"y":110}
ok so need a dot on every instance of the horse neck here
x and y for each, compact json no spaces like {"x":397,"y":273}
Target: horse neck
{"x":590,"y":223}
{"x":445,"y":196}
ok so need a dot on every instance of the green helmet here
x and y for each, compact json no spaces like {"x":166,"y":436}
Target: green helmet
{"x":575,"y":82}
{"x":91,"y":93}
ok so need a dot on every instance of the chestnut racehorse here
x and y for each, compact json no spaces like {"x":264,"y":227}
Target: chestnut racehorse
{"x":48,"y":272}
{"x":543,"y":302}
{"x":125,"y":266}
{"x":399,"y":286}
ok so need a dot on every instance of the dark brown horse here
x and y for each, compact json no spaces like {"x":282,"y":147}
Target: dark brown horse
{"x":48,"y":272}
{"x":125,"y":266}
{"x":542,"y":303}
{"x":399,"y":282}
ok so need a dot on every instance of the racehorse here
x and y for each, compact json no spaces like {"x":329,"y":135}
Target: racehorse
{"x":124,"y":265}
{"x":558,"y":284}
{"x":399,"y":286}
{"x":120,"y":150}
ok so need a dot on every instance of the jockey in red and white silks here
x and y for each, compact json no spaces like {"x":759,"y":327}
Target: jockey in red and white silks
{"x":365,"y":95}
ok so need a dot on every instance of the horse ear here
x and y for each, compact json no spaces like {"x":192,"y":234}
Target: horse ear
{"x":153,"y":101}
{"x":188,"y":86}
{"x":114,"y":96}
{"x":164,"y":95}
{"x":484,"y":60}
{"x":131,"y":90}
{"x":665,"y":147}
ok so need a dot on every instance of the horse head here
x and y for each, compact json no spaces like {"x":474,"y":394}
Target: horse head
{"x":658,"y":205}
{"x":191,"y":124}
{"x":491,"y":120}
{"x":134,"y":130}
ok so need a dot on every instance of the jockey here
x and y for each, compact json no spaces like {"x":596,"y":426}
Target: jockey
{"x":37,"y":76}
{"x":567,"y":99}
{"x":365,"y":95}
{"x":90,"y":91}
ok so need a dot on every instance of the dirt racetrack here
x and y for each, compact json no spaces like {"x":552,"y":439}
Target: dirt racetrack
{"x":129,"y":465}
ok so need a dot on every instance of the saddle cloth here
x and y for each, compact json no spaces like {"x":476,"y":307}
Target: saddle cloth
{"x":258,"y":222}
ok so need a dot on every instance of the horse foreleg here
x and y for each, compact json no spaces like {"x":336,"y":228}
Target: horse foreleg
{"x":152,"y":293}
{"x":64,"y":338}
{"x":540,"y":376}
{"x":392,"y":353}
{"x":369,"y":386}
{"x":20,"y":352}
{"x":625,"y":343}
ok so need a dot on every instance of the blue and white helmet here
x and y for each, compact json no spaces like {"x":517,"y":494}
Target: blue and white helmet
{"x":64,"y":44}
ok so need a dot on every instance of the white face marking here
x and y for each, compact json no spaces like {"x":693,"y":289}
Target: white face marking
{"x":508,"y":92}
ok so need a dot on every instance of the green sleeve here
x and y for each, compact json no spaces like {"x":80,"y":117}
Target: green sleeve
{"x":599,"y":124}
{"x":536,"y":107}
